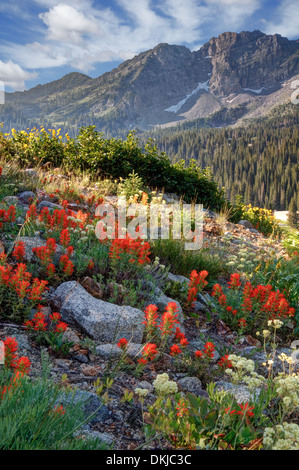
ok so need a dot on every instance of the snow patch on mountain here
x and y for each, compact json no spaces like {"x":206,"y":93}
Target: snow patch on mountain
{"x":254,"y":91}
{"x":175,"y":108}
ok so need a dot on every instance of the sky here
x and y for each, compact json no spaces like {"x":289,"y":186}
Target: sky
{"x":42,"y":40}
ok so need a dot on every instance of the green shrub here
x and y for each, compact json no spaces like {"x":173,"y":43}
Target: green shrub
{"x":131,"y":185}
{"x":112,"y":158}
{"x":291,"y":243}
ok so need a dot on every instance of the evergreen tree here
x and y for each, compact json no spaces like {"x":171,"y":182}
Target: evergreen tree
{"x":293,"y":214}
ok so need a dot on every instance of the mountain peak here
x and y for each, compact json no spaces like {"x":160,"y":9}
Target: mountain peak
{"x":170,"y":84}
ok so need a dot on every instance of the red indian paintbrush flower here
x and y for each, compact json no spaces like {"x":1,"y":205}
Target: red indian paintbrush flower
{"x":61,"y":327}
{"x":65,"y":238}
{"x":225,"y":363}
{"x":19,"y":251}
{"x":151,"y":316}
{"x":197,"y":282}
{"x":22,"y":365}
{"x":123,"y":343}
{"x":234,"y":282}
{"x":169,"y":319}
{"x":208,"y":349}
{"x":10,"y":349}
{"x":175,"y":350}
{"x":149,"y":353}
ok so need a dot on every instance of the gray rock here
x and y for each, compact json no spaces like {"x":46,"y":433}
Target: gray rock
{"x":241,"y":392}
{"x":112,"y":351}
{"x":21,"y":338}
{"x":73,"y":206}
{"x":210,"y":214}
{"x":195,"y":345}
{"x":87,"y":433}
{"x":27,"y":197}
{"x":191,"y":384}
{"x":198,"y":344}
{"x":11,"y":200}
{"x":245,"y":224}
{"x":199,"y":307}
{"x":63,"y":363}
{"x":36,"y":242}
{"x":91,"y":404}
{"x":177,"y":278}
{"x":102,"y":321}
{"x":145,"y":384}
{"x":206,"y":299}
{"x":30,"y":243}
{"x":70,"y":336}
{"x":32,"y":173}
{"x":81,"y":358}
{"x":161,"y":300}
{"x":49,"y":205}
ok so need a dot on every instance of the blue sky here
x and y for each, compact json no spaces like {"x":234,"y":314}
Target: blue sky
{"x":42,"y":40}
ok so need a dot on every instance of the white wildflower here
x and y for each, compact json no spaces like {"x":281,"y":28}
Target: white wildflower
{"x":142,"y":392}
{"x":164,"y":386}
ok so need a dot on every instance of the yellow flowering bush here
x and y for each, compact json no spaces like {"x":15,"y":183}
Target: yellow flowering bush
{"x":261,"y":219}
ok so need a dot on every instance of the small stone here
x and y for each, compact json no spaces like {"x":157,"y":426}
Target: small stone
{"x":245,"y":224}
{"x":90,"y":371}
{"x":112,"y":351}
{"x":63,"y":363}
{"x":147,"y":385}
{"x":81,"y":358}
{"x":190,"y":384}
{"x":70,"y":336}
{"x":199,"y":307}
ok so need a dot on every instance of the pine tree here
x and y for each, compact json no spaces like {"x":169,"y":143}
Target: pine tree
{"x":292,"y":214}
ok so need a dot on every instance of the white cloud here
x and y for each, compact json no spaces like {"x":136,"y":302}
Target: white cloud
{"x":82,"y":33}
{"x":231,"y":14}
{"x":13,"y":76}
{"x":67,"y":24}
{"x":287,"y":23}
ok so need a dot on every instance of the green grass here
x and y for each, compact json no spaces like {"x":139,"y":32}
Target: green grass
{"x":15,"y":180}
{"x":27,"y":420}
{"x":172,"y":253}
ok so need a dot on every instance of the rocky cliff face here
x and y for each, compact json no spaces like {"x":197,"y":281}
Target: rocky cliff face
{"x":170,"y":84}
{"x":249,"y":60}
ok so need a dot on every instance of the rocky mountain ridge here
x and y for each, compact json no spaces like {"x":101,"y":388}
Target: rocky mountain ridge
{"x":169,"y":84}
